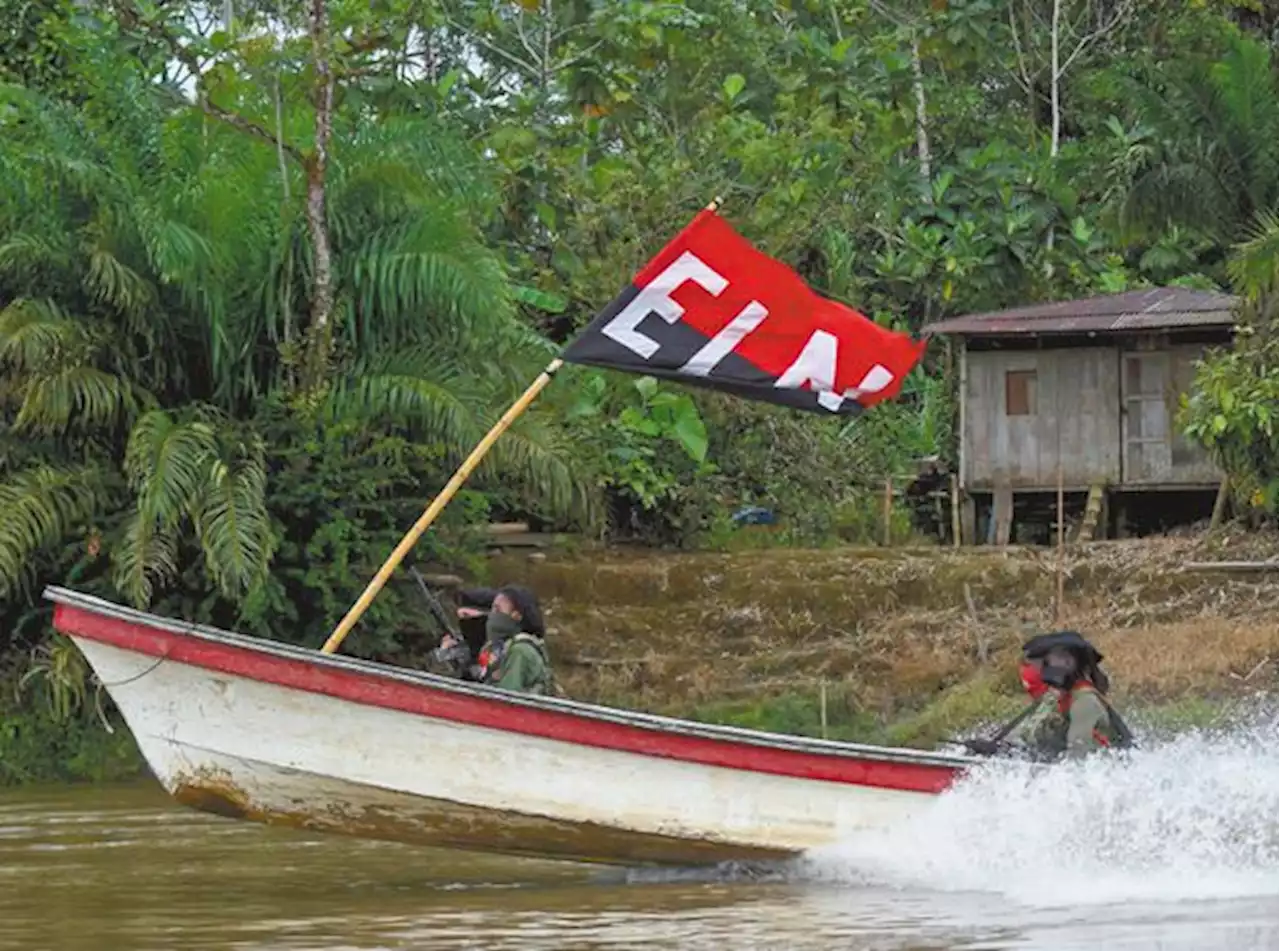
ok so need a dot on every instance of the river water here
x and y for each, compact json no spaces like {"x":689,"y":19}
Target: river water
{"x":1175,"y":850}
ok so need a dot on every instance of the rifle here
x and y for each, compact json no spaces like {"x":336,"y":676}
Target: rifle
{"x":434,"y":606}
{"x":988,"y":747}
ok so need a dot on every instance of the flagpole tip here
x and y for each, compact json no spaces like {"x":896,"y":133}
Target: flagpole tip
{"x":715,"y":203}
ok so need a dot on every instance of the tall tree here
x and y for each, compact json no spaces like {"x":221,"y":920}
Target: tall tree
{"x":1203,"y":150}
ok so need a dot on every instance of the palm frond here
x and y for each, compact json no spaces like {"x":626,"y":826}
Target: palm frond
{"x":26,"y":254}
{"x":146,"y":558}
{"x":417,"y":159}
{"x":1247,"y":92}
{"x":202,"y":472}
{"x":80,"y":396}
{"x":534,"y":457}
{"x":232,"y":520}
{"x":35,"y":333}
{"x":40,"y":507}
{"x":431,"y":272}
{"x":167,"y":462}
{"x":404,"y":212}
{"x":114,"y":283}
{"x":1190,"y":190}
{"x":177,"y":252}
{"x":432,"y":399}
{"x":1210,"y":163}
{"x":53,"y":149}
{"x":1253,"y":265}
{"x":418,"y":390}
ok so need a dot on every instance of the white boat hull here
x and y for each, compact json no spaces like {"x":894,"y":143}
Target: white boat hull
{"x":249,"y":748}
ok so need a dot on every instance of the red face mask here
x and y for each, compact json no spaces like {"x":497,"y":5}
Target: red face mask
{"x":1030,"y":674}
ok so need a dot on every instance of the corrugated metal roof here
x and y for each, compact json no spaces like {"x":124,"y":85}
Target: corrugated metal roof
{"x":1155,"y":309}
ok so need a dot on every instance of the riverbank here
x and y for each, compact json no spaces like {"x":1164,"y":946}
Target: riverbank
{"x":909,"y":646}
{"x":899,"y":646}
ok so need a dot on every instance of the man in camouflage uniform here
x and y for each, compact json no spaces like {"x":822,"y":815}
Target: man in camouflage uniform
{"x":1069,"y":716}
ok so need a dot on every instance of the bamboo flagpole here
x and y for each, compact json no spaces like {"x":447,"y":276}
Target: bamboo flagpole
{"x":440,"y":501}
{"x":437,"y":505}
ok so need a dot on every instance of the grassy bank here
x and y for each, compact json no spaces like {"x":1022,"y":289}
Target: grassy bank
{"x":909,"y":646}
{"x":900,"y":646}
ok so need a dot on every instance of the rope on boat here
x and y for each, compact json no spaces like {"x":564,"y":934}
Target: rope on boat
{"x":138,"y":676}
{"x":97,"y":697}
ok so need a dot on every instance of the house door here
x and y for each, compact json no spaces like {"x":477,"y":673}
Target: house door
{"x":1146,"y":418}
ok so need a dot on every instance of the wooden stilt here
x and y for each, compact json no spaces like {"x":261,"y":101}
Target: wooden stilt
{"x":955,"y":511}
{"x":1220,"y":503}
{"x":1062,"y":551}
{"x":888,"y":511}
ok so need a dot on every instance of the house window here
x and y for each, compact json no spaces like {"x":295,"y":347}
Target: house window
{"x":1020,"y":393}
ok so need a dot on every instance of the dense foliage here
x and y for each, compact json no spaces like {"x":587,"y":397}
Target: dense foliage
{"x":268,"y":270}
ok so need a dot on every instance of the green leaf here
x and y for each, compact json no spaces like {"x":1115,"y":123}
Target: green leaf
{"x":690,"y":431}
{"x":542,"y":300}
{"x":447,"y":82}
{"x":636,"y":421}
{"x":734,"y":83}
{"x":546,"y":214}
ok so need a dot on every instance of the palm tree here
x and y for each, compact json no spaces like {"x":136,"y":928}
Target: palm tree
{"x":1202,"y":160}
{"x":150,"y":269}
{"x":1204,"y":157}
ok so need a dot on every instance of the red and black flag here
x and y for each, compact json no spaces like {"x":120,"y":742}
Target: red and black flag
{"x":713,"y":311}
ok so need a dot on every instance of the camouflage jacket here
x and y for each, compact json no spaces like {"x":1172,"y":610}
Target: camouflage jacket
{"x":525,"y":666}
{"x":1083,"y":727}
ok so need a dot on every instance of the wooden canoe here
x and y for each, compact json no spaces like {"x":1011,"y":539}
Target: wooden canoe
{"x":265,"y":731}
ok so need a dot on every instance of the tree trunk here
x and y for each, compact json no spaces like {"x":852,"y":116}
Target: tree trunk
{"x":922,"y":121}
{"x":1055,"y":104}
{"x":319,"y":333}
{"x":279,"y":104}
{"x":1055,"y":77}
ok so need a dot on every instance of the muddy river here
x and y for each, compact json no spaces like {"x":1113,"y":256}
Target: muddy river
{"x":116,"y":868}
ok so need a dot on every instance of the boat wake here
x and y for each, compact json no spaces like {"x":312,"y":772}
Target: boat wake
{"x":1191,"y":818}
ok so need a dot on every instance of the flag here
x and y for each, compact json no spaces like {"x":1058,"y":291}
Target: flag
{"x":710,"y":310}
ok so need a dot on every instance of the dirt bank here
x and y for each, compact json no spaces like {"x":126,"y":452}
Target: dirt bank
{"x":908,"y":645}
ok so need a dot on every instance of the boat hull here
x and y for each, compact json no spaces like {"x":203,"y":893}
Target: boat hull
{"x":286,"y":736}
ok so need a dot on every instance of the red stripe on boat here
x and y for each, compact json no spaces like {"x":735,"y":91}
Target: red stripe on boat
{"x":494,"y":713}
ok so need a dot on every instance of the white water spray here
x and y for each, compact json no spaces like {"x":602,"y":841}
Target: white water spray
{"x":1195,"y":818}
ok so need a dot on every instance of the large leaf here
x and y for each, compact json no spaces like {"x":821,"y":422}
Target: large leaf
{"x":39,"y":507}
{"x":690,"y":431}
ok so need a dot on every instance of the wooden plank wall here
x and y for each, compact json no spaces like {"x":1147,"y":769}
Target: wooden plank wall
{"x":1075,"y":417}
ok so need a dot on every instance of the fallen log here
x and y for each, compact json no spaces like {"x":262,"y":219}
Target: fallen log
{"x":443,"y":581}
{"x":1232,"y":567}
{"x":507,"y":528}
{"x":522,"y":540}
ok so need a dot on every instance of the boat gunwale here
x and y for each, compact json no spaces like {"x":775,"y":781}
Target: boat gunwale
{"x":631,"y":718}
